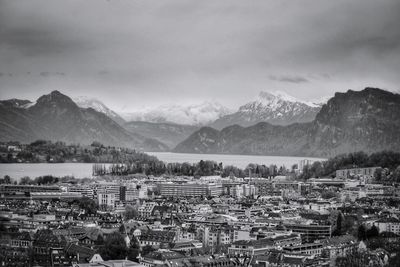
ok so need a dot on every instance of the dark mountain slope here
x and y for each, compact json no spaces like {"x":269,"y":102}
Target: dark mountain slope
{"x":56,"y":117}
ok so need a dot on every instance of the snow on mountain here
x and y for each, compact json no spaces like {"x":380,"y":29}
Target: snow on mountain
{"x":87,"y":102}
{"x":273,"y":107}
{"x":278,"y":96}
{"x":198,"y":114}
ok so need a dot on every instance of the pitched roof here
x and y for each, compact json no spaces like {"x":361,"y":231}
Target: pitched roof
{"x":158,"y":236}
{"x":164,"y":255}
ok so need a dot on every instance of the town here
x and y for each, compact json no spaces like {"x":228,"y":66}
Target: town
{"x":348,"y":219}
{"x":206,"y":133}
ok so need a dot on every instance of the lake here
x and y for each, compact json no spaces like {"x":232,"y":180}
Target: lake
{"x":82,"y":170}
{"x":18,"y":170}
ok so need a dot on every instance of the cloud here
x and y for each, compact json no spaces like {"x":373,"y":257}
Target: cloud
{"x":5,"y":74}
{"x":289,"y":78}
{"x":103,"y":72}
{"x":151,"y":52}
{"x":51,"y":74}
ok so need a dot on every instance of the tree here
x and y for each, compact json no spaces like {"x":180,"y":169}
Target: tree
{"x":395,"y":261}
{"x":134,"y":250}
{"x":114,"y":247}
{"x":372,"y":232}
{"x":378,"y":174}
{"x":25,"y":180}
{"x":396,"y":175}
{"x":89,"y":205}
{"x":100,"y":240}
{"x":339,"y":225}
{"x":130,"y":212}
{"x":7,"y":179}
{"x":362,"y":235}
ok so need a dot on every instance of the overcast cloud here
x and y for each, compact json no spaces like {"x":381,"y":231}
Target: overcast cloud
{"x":131,"y":53}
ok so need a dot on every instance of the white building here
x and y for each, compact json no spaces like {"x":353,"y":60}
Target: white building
{"x":388,"y":225}
{"x":106,"y":200}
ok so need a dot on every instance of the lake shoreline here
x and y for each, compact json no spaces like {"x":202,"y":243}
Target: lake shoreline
{"x":85,"y":170}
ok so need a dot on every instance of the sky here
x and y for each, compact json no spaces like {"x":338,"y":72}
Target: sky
{"x":132,"y":54}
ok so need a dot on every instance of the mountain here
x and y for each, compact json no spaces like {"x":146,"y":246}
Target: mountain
{"x":86,"y":102}
{"x":365,"y":120}
{"x":17,"y":103}
{"x":200,"y":114}
{"x":277,"y":108}
{"x":260,"y":139}
{"x":56,"y":117}
{"x":168,"y":133}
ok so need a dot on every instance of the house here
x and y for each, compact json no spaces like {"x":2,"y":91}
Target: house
{"x":258,"y":247}
{"x":389,"y":224}
{"x":157,"y":239}
{"x":160,"y":258}
{"x":110,"y":263}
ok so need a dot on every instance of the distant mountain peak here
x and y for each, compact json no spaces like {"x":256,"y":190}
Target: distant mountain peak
{"x":99,"y":106}
{"x":275,"y":107}
{"x":55,"y":98}
{"x":271,"y":96}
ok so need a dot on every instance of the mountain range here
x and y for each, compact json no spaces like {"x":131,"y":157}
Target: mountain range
{"x":277,"y":108}
{"x":273,"y":124}
{"x":365,"y":120}
{"x":57,"y":117}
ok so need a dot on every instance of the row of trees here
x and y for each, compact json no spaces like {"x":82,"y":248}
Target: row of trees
{"x":201,"y":168}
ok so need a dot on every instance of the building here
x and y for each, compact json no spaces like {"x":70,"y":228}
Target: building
{"x":146,"y":209}
{"x":190,"y":189}
{"x":307,"y":248}
{"x":213,"y":236}
{"x":360,"y":172}
{"x":339,"y":246}
{"x":310,"y":232}
{"x":249,"y":248}
{"x":388,"y":225}
{"x":157,"y":239}
{"x":85,"y":191}
{"x":8,"y":189}
{"x":264,"y":187}
{"x":106,"y":200}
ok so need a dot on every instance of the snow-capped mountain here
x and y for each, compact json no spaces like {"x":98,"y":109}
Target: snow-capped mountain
{"x":199,"y":114}
{"x":365,"y":120}
{"x":86,"y":102}
{"x":274,"y":107}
